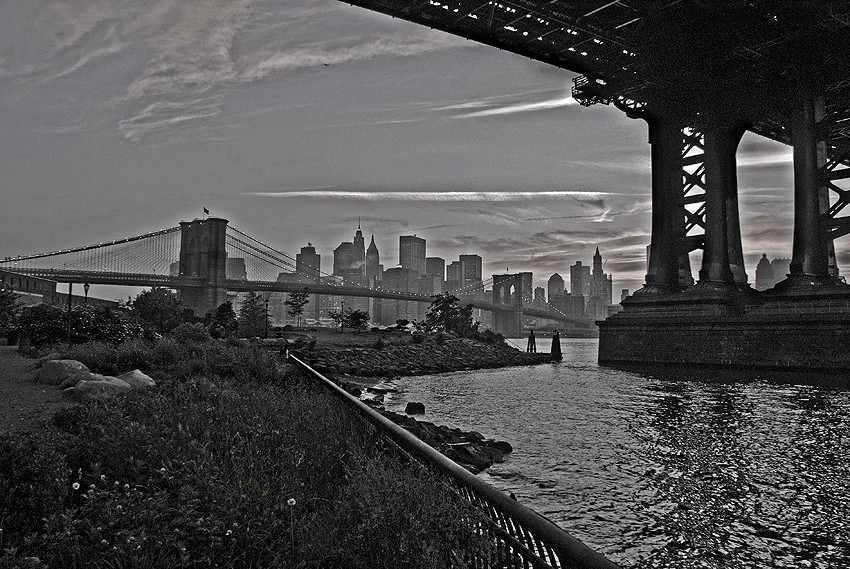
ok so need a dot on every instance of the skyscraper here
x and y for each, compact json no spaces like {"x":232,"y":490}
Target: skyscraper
{"x":470,"y":270}
{"x":554,"y":286}
{"x":342,"y":258}
{"x":580,"y":279}
{"x":411,"y":253}
{"x":435,"y":266}
{"x":358,"y":252}
{"x":308,"y":262}
{"x":373,"y":263}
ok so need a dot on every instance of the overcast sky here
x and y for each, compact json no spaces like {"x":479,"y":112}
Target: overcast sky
{"x":293,"y":119}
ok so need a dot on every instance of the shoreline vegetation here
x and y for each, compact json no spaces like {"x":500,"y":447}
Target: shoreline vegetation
{"x":235,"y":459}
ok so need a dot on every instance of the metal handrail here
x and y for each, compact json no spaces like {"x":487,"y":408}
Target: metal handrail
{"x":523,"y":531}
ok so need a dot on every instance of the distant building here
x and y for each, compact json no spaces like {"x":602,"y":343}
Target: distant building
{"x":374,"y":268}
{"x":554,"y":286}
{"x":764,"y":274}
{"x":540,"y":295}
{"x":624,"y":294}
{"x":580,"y":279}
{"x":399,"y":279}
{"x":470,"y":271}
{"x":342,"y":257}
{"x":435,"y":266}
{"x":358,"y":252}
{"x":411,"y":253}
{"x":781,"y":269}
{"x":308,"y":262}
{"x":600,"y":283}
{"x":453,"y":276}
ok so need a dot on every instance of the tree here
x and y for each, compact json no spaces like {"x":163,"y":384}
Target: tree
{"x":253,"y":316}
{"x":159,"y":309}
{"x":356,"y":319}
{"x":8,"y":314}
{"x":445,"y":315}
{"x":338,"y":317}
{"x":296,"y":303}
{"x":222,"y":322}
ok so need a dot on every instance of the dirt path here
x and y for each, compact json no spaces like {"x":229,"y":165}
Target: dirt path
{"x":23,"y":403}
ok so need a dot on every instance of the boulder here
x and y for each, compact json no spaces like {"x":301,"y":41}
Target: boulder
{"x":97,"y":387}
{"x":48,"y":357}
{"x":137,"y":379}
{"x":414,"y":408}
{"x":54,"y":372}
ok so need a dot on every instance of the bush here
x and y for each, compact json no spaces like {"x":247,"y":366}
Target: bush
{"x":191,"y":333}
{"x":43,"y":324}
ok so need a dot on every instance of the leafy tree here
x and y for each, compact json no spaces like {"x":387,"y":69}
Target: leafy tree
{"x":160,"y":310}
{"x":253,"y":316}
{"x":8,"y":314}
{"x":222,"y":322}
{"x":296,"y":303}
{"x":356,"y":319}
{"x":43,"y":324}
{"x":338,"y":317}
{"x":445,"y":315}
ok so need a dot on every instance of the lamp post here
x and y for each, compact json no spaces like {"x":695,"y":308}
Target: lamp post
{"x":342,"y":317}
{"x":70,"y":285}
{"x":86,"y":290}
{"x":266,"y":335}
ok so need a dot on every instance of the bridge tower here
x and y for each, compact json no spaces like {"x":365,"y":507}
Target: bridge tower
{"x":509,"y":291}
{"x":203,"y":255}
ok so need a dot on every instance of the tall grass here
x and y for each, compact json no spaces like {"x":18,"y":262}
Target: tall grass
{"x":219,"y":470}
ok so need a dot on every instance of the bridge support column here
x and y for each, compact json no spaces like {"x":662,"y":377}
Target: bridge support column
{"x":665,"y":136}
{"x":810,"y":260}
{"x":508,"y":291}
{"x":723,"y":258}
{"x":203,"y":255}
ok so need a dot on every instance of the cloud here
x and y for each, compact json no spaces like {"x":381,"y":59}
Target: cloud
{"x":164,"y":115}
{"x":566,"y":101}
{"x":425,"y":196}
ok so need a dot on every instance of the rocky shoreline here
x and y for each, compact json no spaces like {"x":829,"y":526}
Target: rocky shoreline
{"x":425,"y":358}
{"x":357,"y":368}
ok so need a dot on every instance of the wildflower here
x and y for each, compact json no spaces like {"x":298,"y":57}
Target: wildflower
{"x":92,"y":486}
{"x":230,"y":531}
{"x":75,"y":485}
{"x":103,"y":541}
{"x":162,"y":470}
{"x":103,"y":476}
{"x":126,"y":487}
{"x":291,"y":502}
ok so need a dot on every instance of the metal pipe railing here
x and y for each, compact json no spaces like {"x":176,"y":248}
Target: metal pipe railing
{"x":521,"y":531}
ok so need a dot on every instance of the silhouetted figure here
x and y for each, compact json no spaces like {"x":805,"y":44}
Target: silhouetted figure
{"x":556,"y":346}
{"x":513,"y":496}
{"x":532,"y":343}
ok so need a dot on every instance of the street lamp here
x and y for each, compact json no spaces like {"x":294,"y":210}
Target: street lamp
{"x":267,"y":318}
{"x":342,"y":317}
{"x":86,"y":288}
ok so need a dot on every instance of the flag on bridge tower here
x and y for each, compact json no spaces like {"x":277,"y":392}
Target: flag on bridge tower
{"x":206,"y":213}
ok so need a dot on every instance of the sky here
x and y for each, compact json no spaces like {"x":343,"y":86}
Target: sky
{"x":296,"y":119}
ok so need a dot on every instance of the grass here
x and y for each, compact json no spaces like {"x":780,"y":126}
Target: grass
{"x":231,"y":461}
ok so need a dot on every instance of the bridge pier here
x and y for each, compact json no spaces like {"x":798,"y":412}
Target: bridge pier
{"x":203,"y":255}
{"x":508,"y":291}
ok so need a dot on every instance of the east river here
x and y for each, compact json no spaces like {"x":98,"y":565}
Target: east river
{"x":665,"y":467}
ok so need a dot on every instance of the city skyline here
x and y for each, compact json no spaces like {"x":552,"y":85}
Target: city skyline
{"x":294,"y":121}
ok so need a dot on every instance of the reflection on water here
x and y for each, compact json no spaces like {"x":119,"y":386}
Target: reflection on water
{"x":665,"y":468}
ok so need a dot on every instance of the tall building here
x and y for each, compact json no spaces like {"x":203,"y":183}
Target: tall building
{"x":600,"y":283}
{"x":781,"y":269}
{"x":554,"y":286}
{"x":453,"y":276}
{"x":580,"y":279}
{"x":470,"y":270}
{"x":373,"y":263}
{"x":411,"y":253}
{"x":358,"y":252}
{"x":308,"y":262}
{"x":435,"y":266}
{"x":342,"y":258}
{"x":540,"y":295}
{"x":764,"y":274}
{"x":402,"y":280}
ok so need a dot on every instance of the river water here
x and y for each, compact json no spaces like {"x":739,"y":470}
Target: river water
{"x":667,"y":467}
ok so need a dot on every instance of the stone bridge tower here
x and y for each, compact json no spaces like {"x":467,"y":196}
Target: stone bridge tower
{"x":203,"y":255}
{"x":509,"y":291}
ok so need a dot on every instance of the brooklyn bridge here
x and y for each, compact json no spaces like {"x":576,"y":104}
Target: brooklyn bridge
{"x":192,"y":258}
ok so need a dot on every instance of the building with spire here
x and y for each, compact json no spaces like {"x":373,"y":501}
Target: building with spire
{"x":601,"y":284}
{"x":358,"y":251}
{"x":374,"y":268}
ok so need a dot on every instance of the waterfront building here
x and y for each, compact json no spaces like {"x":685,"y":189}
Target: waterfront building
{"x":453,"y":276}
{"x":309,"y":264}
{"x":411,"y":253}
{"x":358,"y":252}
{"x":399,"y":279}
{"x":342,"y":257}
{"x":600,"y":283}
{"x":555,"y":285}
{"x":764,"y":274}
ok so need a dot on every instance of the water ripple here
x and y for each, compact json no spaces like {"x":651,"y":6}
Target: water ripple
{"x":665,"y":468}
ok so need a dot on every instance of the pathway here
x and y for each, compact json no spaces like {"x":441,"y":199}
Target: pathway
{"x":23,"y":403}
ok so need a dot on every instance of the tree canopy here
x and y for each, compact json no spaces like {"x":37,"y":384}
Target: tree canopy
{"x":160,"y":309}
{"x":296,"y":303}
{"x":253,"y":317}
{"x":446,"y":315}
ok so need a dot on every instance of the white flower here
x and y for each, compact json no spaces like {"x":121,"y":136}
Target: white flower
{"x":291,"y":501}
{"x":75,"y":485}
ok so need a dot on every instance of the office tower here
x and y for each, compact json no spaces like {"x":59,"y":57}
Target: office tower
{"x":373,"y":263}
{"x":470,"y":270}
{"x":358,"y":252}
{"x":411,"y":253}
{"x":580,"y":279}
{"x":435,"y":266}
{"x":554,"y":286}
{"x":308,"y":262}
{"x":342,"y":257}
{"x":453,"y":276}
{"x":540,"y":295}
{"x":402,"y":280}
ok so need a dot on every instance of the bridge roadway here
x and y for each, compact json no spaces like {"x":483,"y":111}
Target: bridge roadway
{"x":233,"y":285}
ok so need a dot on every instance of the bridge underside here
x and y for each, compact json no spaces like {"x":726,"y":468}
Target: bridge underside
{"x":701,"y":74}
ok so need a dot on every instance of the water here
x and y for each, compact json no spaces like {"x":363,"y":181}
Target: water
{"x":665,"y":468}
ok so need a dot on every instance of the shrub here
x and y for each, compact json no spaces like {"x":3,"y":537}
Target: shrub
{"x":191,"y":333}
{"x":43,"y":324}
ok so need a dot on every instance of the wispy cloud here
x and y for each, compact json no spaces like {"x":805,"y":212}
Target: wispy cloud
{"x":516,"y":108}
{"x":426,"y":196}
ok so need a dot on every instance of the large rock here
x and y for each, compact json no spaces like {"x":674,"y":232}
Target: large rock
{"x":54,"y":372}
{"x":137,"y":379}
{"x":101,"y":386}
{"x":414,"y":408}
